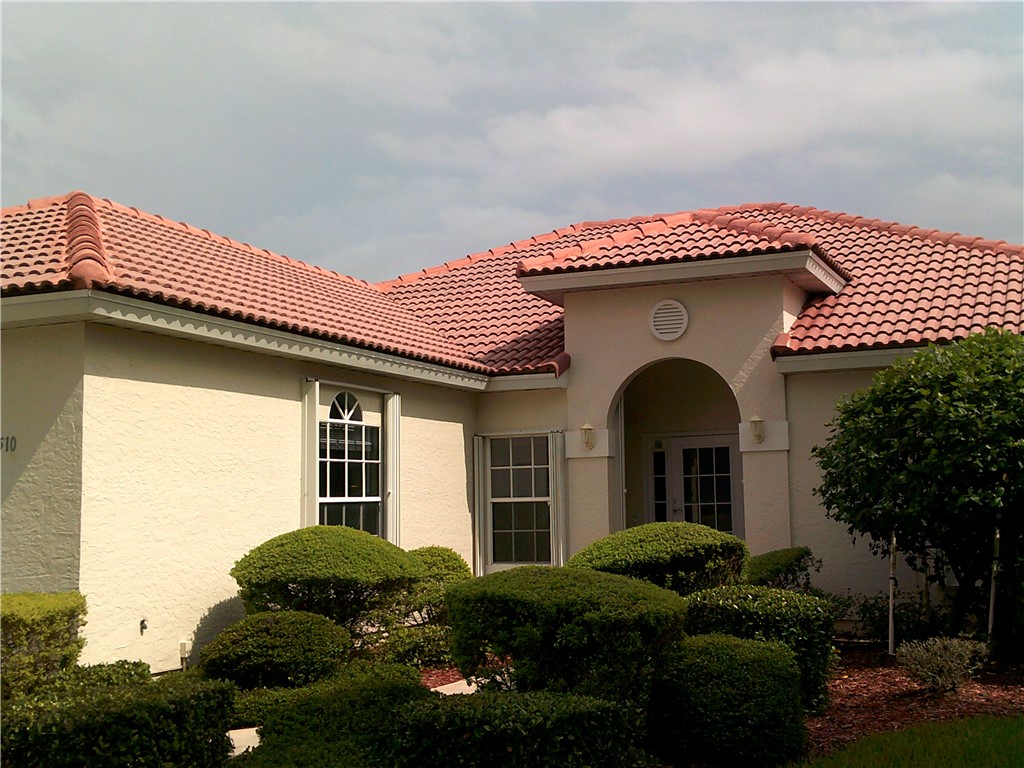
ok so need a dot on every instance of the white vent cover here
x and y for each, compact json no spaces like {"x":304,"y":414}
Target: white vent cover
{"x":668,"y":320}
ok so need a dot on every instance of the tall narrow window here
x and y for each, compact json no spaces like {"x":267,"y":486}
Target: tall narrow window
{"x":519,"y":499}
{"x":350,"y":464}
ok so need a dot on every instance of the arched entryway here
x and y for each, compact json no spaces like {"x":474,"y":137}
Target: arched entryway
{"x":680,"y":447}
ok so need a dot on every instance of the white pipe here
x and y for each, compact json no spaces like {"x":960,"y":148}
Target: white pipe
{"x":892,"y":595}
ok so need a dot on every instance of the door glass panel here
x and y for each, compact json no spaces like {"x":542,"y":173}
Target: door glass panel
{"x":705,"y":485}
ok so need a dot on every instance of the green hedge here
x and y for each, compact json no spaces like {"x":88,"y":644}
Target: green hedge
{"x":357,"y":707}
{"x":782,"y":568}
{"x":335,"y":571}
{"x":443,"y":568}
{"x":683,"y":557}
{"x":515,"y":730}
{"x":113,"y":674}
{"x":275,"y":649}
{"x":802,"y":622}
{"x":428,"y":646}
{"x":310,"y":754}
{"x":560,"y":629}
{"x":727,"y":701}
{"x":39,"y":637}
{"x":178,"y":720}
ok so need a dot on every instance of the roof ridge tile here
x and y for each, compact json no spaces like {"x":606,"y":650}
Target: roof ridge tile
{"x":87,"y":261}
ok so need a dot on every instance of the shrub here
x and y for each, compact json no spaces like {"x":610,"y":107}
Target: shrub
{"x":335,"y":571}
{"x":308,"y":754}
{"x":274,"y":649}
{"x":783,"y":569}
{"x":914,"y":618}
{"x":683,"y":557}
{"x":424,"y":647}
{"x":727,"y":701}
{"x":570,"y":630}
{"x":941,"y":663}
{"x":38,"y":638}
{"x":356,"y":707}
{"x":514,"y":730}
{"x":108,"y":675}
{"x":444,"y":568}
{"x":802,"y":622}
{"x":176,"y":720}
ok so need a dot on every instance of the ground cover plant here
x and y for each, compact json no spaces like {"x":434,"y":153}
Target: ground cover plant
{"x":683,"y":557}
{"x":941,"y":664}
{"x":984,"y":742}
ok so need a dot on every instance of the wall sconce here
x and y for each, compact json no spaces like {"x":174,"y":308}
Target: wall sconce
{"x":757,"y":429}
{"x":587,"y":432}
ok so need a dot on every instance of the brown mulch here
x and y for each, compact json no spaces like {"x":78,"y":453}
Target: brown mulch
{"x":869,"y":694}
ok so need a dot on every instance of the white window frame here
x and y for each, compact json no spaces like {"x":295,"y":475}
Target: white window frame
{"x":390,"y":454}
{"x":483,"y":549}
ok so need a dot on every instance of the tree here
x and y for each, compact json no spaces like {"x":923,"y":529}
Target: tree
{"x":933,"y":451}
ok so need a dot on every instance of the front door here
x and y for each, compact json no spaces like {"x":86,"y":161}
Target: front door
{"x":704,"y":482}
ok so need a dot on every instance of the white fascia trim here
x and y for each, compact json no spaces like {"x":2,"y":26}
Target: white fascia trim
{"x":526,"y":381}
{"x":126,"y":312}
{"x":803,"y":267}
{"x":842,"y":361}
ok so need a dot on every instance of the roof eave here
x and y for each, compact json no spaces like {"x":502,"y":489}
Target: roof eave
{"x":803,"y":267}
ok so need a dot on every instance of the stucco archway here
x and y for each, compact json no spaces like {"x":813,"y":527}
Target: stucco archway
{"x":680,"y":447}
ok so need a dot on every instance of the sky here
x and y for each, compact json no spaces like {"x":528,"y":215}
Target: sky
{"x":378,"y":139}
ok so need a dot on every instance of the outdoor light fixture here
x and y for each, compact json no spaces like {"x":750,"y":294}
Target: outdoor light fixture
{"x":757,"y":429}
{"x":587,"y":432}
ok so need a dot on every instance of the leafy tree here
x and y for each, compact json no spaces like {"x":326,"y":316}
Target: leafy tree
{"x":933,"y":451}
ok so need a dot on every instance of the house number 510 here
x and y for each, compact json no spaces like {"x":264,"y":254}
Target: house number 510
{"x":8,"y":444}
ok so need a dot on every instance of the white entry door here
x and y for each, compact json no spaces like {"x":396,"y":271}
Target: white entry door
{"x":705,"y":482}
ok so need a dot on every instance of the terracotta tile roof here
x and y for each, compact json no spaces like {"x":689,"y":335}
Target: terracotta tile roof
{"x":77,"y":241}
{"x":480,"y":302}
{"x":905,"y":286}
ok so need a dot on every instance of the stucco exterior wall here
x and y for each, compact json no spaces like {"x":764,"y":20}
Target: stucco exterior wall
{"x":732,"y":325}
{"x":41,"y":411}
{"x":437,"y":460}
{"x":191,"y":457}
{"x":812,"y":400}
{"x":539,"y":410}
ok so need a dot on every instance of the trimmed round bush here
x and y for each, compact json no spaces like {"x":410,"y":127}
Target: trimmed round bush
{"x":511,"y":730}
{"x":782,"y":568}
{"x":335,"y":571}
{"x":683,"y":557}
{"x":727,"y":701}
{"x":427,"y":646}
{"x":802,"y":622}
{"x":277,"y":649}
{"x":444,"y":567}
{"x":568,"y":630}
{"x":355,"y":707}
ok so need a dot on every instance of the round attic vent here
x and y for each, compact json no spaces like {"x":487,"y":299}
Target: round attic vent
{"x":668,"y":320}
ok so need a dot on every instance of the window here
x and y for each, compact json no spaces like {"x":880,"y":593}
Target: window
{"x":349,"y":463}
{"x":520,"y":500}
{"x":707,"y":487}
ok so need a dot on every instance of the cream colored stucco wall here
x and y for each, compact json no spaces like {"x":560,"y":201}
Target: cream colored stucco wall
{"x":812,"y":401}
{"x":191,"y":457}
{"x":539,"y":410}
{"x":732,"y":325}
{"x":437,"y":460}
{"x":41,"y":411}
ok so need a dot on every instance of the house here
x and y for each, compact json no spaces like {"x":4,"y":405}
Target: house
{"x":172,"y":398}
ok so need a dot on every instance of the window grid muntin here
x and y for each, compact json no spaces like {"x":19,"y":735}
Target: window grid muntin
{"x":519,"y":499}
{"x":707,"y":487}
{"x":349,"y":464}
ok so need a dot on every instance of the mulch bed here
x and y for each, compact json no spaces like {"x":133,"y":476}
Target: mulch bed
{"x":869,"y":694}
